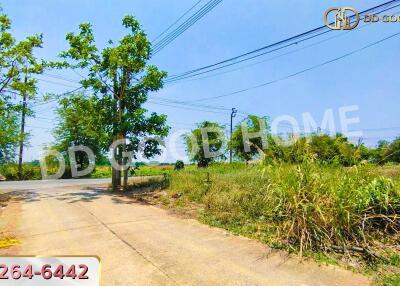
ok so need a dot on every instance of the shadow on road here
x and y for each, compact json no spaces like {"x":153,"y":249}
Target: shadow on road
{"x":135,"y":193}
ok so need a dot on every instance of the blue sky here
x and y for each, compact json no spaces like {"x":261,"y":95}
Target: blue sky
{"x":368,"y":79}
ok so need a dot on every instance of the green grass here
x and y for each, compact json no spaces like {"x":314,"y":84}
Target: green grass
{"x":32,"y":172}
{"x":306,"y":208}
{"x":347,"y":216}
{"x":154,"y":170}
{"x":389,"y":280}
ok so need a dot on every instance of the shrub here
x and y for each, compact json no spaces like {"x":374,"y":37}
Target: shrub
{"x":179,"y":165}
{"x":29,"y":172}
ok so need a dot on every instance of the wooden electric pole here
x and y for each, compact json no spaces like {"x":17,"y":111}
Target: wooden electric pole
{"x":233,"y":114}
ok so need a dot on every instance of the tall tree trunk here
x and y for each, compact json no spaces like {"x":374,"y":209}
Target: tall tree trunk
{"x":116,"y":174}
{"x":117,"y":152}
{"x":126,"y":161}
{"x":126,"y":177}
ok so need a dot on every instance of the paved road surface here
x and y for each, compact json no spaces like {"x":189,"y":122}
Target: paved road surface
{"x":145,"y":245}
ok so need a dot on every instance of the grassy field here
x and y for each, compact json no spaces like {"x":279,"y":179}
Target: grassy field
{"x":32,"y":172}
{"x":342,"y":215}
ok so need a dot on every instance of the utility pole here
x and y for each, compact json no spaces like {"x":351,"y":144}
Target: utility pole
{"x":233,"y":114}
{"x":21,"y":140}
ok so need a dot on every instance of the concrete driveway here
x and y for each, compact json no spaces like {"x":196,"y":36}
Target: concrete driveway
{"x":145,"y":245}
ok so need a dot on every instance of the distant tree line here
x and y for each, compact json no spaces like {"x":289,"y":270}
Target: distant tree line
{"x":270,"y":148}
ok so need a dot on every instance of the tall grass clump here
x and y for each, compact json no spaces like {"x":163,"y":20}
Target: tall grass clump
{"x":307,"y":206}
{"x":29,"y":172}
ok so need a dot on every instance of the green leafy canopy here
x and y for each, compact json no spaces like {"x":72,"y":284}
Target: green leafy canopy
{"x":121,"y":79}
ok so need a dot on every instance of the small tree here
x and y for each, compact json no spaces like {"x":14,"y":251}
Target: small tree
{"x":252,"y":124}
{"x":179,"y":165}
{"x":120,"y":77}
{"x":391,"y":152}
{"x":196,"y":143}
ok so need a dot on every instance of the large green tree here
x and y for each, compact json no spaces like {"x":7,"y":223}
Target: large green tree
{"x":79,"y":119}
{"x":120,"y":76}
{"x":206,"y":144}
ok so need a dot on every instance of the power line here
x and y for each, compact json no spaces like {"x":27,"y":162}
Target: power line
{"x":181,"y":17}
{"x":268,"y":59}
{"x":185,"y":25}
{"x":299,"y":72}
{"x":186,"y":108}
{"x":197,"y":105}
{"x":190,"y":104}
{"x":382,"y":128}
{"x":54,"y":82}
{"x":294,"y":40}
{"x":60,"y":77}
{"x":57,"y":96}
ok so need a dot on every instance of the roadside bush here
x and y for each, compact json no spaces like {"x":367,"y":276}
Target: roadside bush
{"x":179,"y":165}
{"x":29,"y":172}
{"x":101,"y":172}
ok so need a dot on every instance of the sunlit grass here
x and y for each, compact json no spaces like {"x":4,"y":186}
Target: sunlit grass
{"x":305,"y":207}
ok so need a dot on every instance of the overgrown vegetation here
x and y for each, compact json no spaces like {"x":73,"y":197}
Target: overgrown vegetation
{"x":310,"y":208}
{"x":301,"y":207}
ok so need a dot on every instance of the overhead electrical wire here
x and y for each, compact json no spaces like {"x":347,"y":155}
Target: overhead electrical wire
{"x":187,"y":108}
{"x":297,"y":73}
{"x":54,"y":82}
{"x":289,"y":52}
{"x":60,"y":77}
{"x":172,"y":103}
{"x":56,"y":96}
{"x":294,"y":40}
{"x":185,"y":25}
{"x":189,"y":77}
{"x":158,"y":46}
{"x":176,"y":21}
